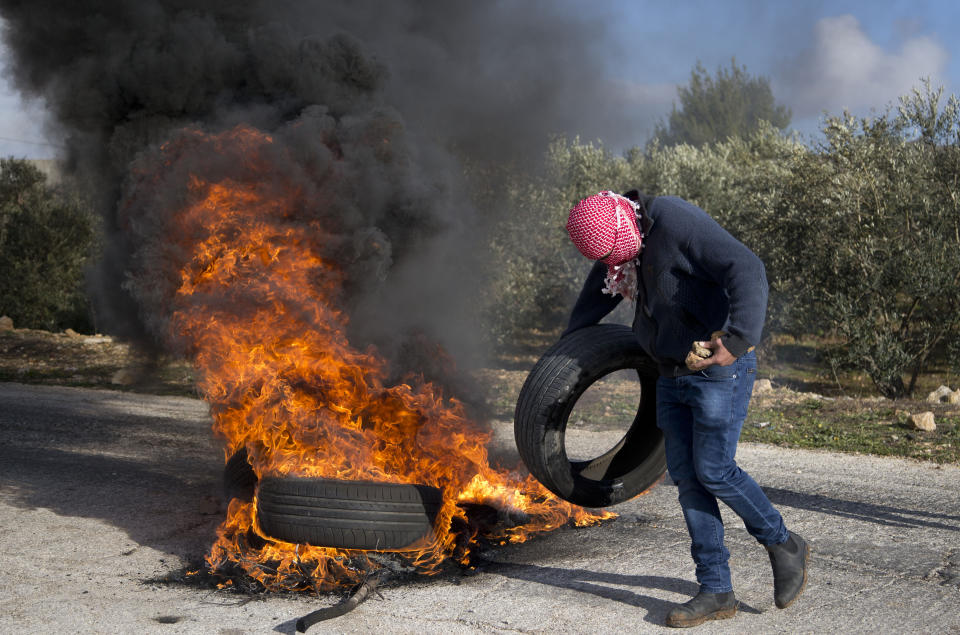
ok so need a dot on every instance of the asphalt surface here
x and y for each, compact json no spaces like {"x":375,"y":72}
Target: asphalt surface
{"x":102,"y":493}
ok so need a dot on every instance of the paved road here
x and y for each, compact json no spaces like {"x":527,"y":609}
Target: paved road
{"x":102,"y":491}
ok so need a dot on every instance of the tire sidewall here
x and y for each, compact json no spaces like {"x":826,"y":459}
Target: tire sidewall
{"x":560,"y":378}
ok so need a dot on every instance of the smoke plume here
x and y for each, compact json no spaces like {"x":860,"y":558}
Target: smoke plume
{"x":369,"y":101}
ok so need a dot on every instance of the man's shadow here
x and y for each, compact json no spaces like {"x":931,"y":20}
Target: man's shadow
{"x":880,"y":514}
{"x":604,"y":584}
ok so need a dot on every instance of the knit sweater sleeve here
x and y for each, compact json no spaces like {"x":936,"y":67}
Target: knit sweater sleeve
{"x":592,"y":304}
{"x":732,"y":265}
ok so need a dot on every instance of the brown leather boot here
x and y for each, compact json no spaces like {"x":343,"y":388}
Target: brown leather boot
{"x":705,"y":606}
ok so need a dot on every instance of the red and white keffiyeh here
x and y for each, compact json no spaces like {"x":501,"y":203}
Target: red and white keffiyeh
{"x":604,"y":227}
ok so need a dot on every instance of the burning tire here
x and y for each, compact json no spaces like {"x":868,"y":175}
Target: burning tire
{"x":347,"y":514}
{"x":548,"y":396}
{"x":239,"y":479}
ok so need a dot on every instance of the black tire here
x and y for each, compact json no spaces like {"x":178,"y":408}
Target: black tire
{"x":552,"y":388}
{"x":239,"y":479}
{"x":347,"y":514}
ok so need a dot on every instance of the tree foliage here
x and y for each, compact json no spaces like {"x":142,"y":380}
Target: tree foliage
{"x":865,"y":239}
{"x":45,"y":240}
{"x":714,"y":108}
{"x":860,"y":233}
{"x":538,"y":270}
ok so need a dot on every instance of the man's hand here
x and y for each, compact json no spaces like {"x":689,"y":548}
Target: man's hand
{"x":720,"y":356}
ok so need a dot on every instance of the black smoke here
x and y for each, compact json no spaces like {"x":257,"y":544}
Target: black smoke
{"x":390,"y":97}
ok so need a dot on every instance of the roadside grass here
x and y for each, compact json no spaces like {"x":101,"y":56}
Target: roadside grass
{"x":811,"y":406}
{"x":867,"y":425}
{"x":852,"y":425}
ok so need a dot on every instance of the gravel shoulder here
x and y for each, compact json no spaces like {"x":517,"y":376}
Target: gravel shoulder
{"x":104,"y":493}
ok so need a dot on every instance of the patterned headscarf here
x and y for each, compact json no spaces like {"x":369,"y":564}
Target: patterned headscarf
{"x":604,"y":227}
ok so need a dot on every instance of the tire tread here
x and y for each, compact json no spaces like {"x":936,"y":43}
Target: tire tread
{"x":554,"y":383}
{"x":347,"y":514}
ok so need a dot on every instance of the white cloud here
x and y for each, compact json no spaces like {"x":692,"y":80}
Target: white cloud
{"x":845,"y":69}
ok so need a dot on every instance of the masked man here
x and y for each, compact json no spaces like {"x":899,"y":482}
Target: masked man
{"x":692,"y":282}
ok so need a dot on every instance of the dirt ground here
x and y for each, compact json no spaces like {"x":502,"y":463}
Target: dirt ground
{"x":144,"y":493}
{"x":93,"y":361}
{"x":806,"y":407}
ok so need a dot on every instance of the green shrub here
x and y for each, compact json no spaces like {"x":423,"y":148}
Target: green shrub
{"x":732,"y":103}
{"x":865,"y":239}
{"x":539,"y":272}
{"x":46,"y":237}
{"x":860,"y":234}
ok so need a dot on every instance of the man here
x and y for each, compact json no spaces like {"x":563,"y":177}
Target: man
{"x":692,"y":281}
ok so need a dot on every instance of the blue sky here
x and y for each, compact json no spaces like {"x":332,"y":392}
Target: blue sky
{"x":818,"y":56}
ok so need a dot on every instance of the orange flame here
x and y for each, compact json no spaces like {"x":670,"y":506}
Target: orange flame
{"x":256,"y":304}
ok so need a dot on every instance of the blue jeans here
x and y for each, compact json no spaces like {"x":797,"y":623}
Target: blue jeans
{"x":701,"y":416}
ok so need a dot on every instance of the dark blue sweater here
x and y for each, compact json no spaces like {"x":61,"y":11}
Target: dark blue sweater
{"x":694,"y":278}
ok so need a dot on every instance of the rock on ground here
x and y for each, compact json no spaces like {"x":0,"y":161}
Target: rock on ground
{"x":940,"y":395}
{"x":762,"y":386}
{"x":923,"y":421}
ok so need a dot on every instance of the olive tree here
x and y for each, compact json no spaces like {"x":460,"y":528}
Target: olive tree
{"x":860,"y":234}
{"x":731,"y":103}
{"x":538,"y":270}
{"x":46,"y":237}
{"x":864,"y":239}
